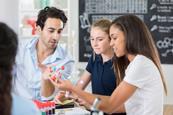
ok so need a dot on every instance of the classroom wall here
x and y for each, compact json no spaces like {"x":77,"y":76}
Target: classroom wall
{"x":9,"y":13}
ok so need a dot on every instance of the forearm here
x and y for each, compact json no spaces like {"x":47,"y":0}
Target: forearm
{"x":104,"y":106}
{"x":105,"y":101}
{"x":120,"y":109}
{"x":118,"y":98}
{"x":84,"y":80}
{"x":47,"y":88}
{"x":88,"y":97}
{"x":81,"y":84}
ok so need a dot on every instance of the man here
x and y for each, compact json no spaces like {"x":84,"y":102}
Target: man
{"x":34,"y":54}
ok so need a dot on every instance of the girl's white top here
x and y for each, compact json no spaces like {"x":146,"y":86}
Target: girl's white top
{"x":148,"y":97}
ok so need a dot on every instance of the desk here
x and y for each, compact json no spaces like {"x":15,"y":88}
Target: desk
{"x":50,"y":108}
{"x":72,"y":111}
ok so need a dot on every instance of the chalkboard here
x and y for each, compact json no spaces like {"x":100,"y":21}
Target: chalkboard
{"x":157,"y":14}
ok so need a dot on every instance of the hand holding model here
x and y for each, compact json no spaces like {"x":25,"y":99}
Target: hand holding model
{"x":52,"y":71}
{"x":65,"y":85}
{"x":55,"y":73}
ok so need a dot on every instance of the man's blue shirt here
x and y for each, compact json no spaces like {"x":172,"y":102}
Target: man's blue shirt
{"x":27,"y":74}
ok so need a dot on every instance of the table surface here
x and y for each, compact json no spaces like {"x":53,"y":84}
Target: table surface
{"x":72,"y":111}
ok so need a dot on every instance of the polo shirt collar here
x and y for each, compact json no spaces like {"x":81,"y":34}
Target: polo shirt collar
{"x":98,"y":58}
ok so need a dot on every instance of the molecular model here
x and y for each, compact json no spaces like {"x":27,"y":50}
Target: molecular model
{"x":55,"y":73}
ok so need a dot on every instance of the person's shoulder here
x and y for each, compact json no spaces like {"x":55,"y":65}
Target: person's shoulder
{"x":142,"y":63}
{"x":139,"y":60}
{"x":62,"y":50}
{"x":22,"y":106}
{"x":95,"y":58}
{"x":91,"y":59}
{"x":62,"y":47}
{"x":143,"y":60}
{"x":25,"y":42}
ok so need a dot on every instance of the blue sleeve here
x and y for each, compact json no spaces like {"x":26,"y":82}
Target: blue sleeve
{"x":22,"y":106}
{"x":20,"y":54}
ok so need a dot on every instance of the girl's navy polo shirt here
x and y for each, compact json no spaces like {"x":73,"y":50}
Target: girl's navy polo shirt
{"x":103,"y":79}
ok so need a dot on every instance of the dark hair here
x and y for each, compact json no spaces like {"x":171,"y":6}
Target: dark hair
{"x":138,"y":41}
{"x":50,"y":12}
{"x":8,"y":50}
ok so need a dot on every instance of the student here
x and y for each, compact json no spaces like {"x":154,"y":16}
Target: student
{"x":138,"y":67}
{"x":38,"y":52}
{"x":99,"y":69}
{"x":11,"y":104}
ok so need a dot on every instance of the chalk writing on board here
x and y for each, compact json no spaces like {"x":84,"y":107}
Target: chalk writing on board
{"x":157,"y":14}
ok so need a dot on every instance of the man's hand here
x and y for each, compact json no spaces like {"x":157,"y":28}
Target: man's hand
{"x":51,"y":71}
{"x":47,"y":88}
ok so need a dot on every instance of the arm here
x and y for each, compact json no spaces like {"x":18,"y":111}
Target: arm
{"x":122,"y":93}
{"x":82,"y":84}
{"x":120,"y":109}
{"x":84,"y":80}
{"x":86,"y":76}
{"x":116,"y":100}
{"x":47,"y":88}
